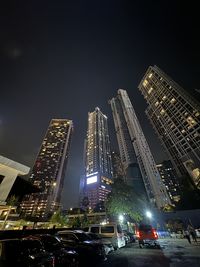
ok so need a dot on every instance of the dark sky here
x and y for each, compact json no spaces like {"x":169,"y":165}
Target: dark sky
{"x":61,"y":59}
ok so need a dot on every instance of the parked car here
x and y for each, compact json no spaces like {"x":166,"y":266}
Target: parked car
{"x":130,"y":235}
{"x":24,"y":253}
{"x":108,"y":247}
{"x":112,"y":231}
{"x":127,"y":238}
{"x":63,"y":256}
{"x":147,"y":235}
{"x":79,"y":241}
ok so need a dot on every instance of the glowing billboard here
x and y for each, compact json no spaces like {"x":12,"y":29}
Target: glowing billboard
{"x":92,"y":179}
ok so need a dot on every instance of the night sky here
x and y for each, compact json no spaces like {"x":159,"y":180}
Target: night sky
{"x":61,"y":59}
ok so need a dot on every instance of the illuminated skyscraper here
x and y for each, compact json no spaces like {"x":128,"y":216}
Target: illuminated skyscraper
{"x":175,"y":116}
{"x":98,"y":167}
{"x":169,"y":178}
{"x":135,"y":153}
{"x":49,"y":170}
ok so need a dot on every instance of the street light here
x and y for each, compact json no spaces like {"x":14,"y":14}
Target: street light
{"x":148,"y":214}
{"x":121,"y":218}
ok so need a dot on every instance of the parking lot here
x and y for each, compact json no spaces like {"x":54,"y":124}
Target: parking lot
{"x":173,"y":253}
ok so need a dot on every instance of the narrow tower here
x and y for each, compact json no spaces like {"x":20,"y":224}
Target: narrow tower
{"x":135,"y":152}
{"x":98,"y":168}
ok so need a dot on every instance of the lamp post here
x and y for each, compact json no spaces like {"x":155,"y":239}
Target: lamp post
{"x":121,"y":218}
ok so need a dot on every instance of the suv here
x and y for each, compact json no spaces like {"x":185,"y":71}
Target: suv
{"x":147,"y":235}
{"x":52,"y":244}
{"x":24,"y":253}
{"x":108,"y":247}
{"x":80,"y":242}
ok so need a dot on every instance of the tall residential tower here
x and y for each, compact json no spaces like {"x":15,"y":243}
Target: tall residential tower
{"x":98,"y":167}
{"x":135,"y":152}
{"x":175,"y":116}
{"x":49,"y":170}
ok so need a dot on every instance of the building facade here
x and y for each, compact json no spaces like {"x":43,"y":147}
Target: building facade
{"x":135,"y":152}
{"x":118,"y":168}
{"x":170,"y":180}
{"x":175,"y":116}
{"x":98,"y":166}
{"x":49,"y":170}
{"x":9,"y":172}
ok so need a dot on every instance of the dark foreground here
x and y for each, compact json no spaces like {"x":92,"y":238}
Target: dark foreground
{"x":173,"y":253}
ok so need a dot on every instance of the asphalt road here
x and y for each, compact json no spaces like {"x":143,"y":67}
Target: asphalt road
{"x":173,"y":253}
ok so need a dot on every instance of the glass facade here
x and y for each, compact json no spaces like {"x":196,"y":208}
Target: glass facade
{"x":135,"y":153}
{"x":170,"y":180}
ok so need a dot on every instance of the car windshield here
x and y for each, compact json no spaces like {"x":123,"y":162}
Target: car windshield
{"x":83,"y":236}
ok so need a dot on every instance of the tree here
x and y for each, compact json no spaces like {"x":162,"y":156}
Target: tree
{"x":76,"y":222}
{"x":123,"y":200}
{"x":58,"y":218}
{"x":11,"y":202}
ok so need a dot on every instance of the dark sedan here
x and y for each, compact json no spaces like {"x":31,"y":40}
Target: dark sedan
{"x":63,"y":257}
{"x":88,"y":249}
{"x":24,"y":253}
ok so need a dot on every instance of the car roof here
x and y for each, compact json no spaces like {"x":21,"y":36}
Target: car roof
{"x":70,"y":231}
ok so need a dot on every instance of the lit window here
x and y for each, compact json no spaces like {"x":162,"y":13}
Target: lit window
{"x":150,"y":90}
{"x":191,"y":121}
{"x":183,"y":131}
{"x":157,"y":103}
{"x":173,"y":100}
{"x":145,"y":82}
{"x":150,"y":75}
{"x":162,"y":111}
{"x":164,"y":97}
{"x":197,"y":114}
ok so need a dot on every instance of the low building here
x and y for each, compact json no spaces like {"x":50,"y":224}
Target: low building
{"x":10,"y":172}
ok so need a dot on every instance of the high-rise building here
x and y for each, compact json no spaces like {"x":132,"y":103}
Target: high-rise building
{"x":98,"y":167}
{"x":175,"y":116}
{"x":49,"y":170}
{"x":135,"y":152}
{"x":118,"y":168}
{"x":170,"y":180}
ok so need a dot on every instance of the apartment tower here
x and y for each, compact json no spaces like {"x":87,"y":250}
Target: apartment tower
{"x":175,"y":116}
{"x":98,"y":167}
{"x":135,"y":153}
{"x":49,"y":170}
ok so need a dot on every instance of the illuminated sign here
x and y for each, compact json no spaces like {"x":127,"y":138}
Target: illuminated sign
{"x":92,"y":174}
{"x":92,"y":179}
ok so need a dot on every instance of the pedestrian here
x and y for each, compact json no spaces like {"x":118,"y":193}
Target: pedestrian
{"x":194,"y":237}
{"x":192,"y":232}
{"x":187,"y":236}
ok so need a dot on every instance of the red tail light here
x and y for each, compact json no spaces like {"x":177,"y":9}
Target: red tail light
{"x":155,"y":234}
{"x":138,"y":234}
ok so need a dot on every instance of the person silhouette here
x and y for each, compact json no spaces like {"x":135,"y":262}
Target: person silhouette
{"x":187,"y":236}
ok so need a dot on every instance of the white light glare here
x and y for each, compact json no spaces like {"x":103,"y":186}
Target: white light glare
{"x":121,"y":218}
{"x":148,"y":214}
